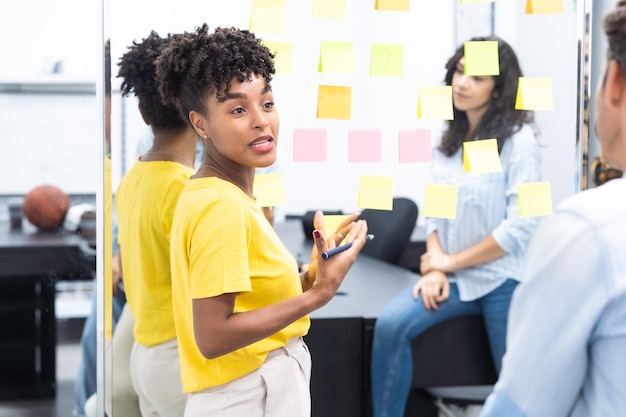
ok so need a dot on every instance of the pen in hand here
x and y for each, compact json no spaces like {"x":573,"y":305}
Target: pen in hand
{"x":334,"y":251}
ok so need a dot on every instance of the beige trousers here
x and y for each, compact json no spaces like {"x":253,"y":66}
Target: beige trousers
{"x":279,"y":388}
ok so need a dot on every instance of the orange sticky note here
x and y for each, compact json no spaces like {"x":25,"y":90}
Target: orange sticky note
{"x":334,"y":102}
{"x":387,"y":59}
{"x":481,"y":58}
{"x":376,"y":192}
{"x":365,"y":145}
{"x":392,"y":5}
{"x":544,"y":6}
{"x":336,"y":57}
{"x":534,"y":94}
{"x":267,"y":16}
{"x":330,"y":9}
{"x":269,"y":190}
{"x":309,"y":145}
{"x":435,"y":103}
{"x":440,"y":201}
{"x":283,"y":56}
{"x":414,"y":146}
{"x":481,"y":156}
{"x":534,"y":199}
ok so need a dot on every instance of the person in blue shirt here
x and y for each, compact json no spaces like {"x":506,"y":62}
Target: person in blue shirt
{"x":567,"y":324}
{"x":473,"y":262}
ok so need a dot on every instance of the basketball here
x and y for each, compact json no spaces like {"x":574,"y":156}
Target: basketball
{"x":45,"y":207}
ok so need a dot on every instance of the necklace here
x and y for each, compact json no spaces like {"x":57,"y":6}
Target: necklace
{"x":225,"y":177}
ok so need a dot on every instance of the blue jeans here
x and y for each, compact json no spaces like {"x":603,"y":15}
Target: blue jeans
{"x":87,"y":377}
{"x":404,"y":318}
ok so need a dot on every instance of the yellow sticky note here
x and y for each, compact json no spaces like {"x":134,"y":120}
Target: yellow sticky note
{"x":477,"y":1}
{"x":376,"y":192}
{"x":334,"y":102}
{"x":387,"y":59}
{"x":332,"y":222}
{"x":440,"y":201}
{"x":269,"y":190}
{"x":481,"y":156}
{"x":481,"y":58}
{"x":330,"y":9}
{"x":336,"y":57}
{"x":435,"y":103}
{"x":392,"y":5}
{"x":268,"y":16}
{"x":534,"y":94}
{"x":283,"y":56}
{"x":534,"y":199}
{"x":544,"y":6}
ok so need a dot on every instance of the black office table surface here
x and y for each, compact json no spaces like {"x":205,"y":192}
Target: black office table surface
{"x":30,"y":266}
{"x":341,"y":332}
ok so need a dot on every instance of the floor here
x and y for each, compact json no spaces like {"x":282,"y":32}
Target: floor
{"x":68,"y":357}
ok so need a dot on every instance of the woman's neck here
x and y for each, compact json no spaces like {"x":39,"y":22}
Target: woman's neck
{"x":175,"y":147}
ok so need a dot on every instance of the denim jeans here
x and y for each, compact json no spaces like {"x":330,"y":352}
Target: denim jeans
{"x":87,"y":378}
{"x":404,"y":318}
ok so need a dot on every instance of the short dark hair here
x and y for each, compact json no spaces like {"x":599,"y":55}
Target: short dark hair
{"x":197,"y":65}
{"x":615,"y":30}
{"x":501,"y":119}
{"x":137,"y":67}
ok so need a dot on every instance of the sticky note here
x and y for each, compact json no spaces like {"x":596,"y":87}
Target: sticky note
{"x":309,"y":145}
{"x":332,"y":222}
{"x":283,"y":56}
{"x":534,"y":199}
{"x":330,"y":9}
{"x":392,"y":5}
{"x":481,"y":58}
{"x":376,"y":192}
{"x":267,"y":16}
{"x":544,"y":6}
{"x":440,"y":201}
{"x":534,"y":94}
{"x":334,"y":102}
{"x":365,"y":145}
{"x":481,"y":156}
{"x":414,"y":146}
{"x":336,"y":57}
{"x":387,"y":59}
{"x":435,"y":103}
{"x":269,"y":190}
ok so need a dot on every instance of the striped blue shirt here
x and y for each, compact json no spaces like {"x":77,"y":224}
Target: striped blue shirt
{"x":487,"y":204}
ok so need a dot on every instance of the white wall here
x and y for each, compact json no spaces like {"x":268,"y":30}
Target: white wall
{"x":546,"y":46}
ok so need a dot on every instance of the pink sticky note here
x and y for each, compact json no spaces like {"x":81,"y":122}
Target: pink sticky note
{"x":365,"y":145}
{"x":309,"y":145}
{"x":414,"y":146}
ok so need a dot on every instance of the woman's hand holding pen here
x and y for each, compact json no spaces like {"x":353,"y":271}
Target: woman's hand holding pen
{"x":329,"y":274}
{"x":332,"y":241}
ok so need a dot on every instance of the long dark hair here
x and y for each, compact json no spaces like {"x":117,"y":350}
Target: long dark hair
{"x":501,"y":119}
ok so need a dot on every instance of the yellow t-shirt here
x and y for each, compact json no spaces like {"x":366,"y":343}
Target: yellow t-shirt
{"x":145,"y":203}
{"x":222,"y":243}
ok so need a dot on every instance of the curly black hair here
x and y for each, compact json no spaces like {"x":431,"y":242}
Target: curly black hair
{"x":197,"y":65}
{"x":500,"y":120}
{"x":615,"y":29}
{"x":137,"y":67}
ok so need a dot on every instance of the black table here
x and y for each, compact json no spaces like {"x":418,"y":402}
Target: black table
{"x":341,"y":332}
{"x":30,"y":266}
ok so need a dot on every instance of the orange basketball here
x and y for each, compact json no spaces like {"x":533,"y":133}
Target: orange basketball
{"x":45,"y":207}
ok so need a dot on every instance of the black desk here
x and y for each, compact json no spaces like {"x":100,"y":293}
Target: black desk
{"x":30,"y":266}
{"x":341,"y":332}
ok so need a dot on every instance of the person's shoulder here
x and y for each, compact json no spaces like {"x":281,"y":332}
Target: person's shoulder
{"x":603,"y":205}
{"x":526,"y":133}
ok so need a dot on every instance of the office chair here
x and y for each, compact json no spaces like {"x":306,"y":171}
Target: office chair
{"x":392,"y":230}
{"x":452,"y":362}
